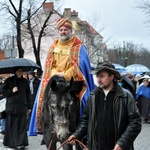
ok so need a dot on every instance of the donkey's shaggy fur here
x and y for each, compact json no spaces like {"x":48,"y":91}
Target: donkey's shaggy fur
{"x":59,"y":114}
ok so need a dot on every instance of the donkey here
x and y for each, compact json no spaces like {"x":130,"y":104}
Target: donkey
{"x":60,"y":113}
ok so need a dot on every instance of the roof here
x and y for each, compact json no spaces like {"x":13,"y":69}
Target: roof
{"x":92,"y":30}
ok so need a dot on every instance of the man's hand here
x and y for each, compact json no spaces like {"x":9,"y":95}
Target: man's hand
{"x":15,"y":89}
{"x":71,"y":140}
{"x":117,"y":147}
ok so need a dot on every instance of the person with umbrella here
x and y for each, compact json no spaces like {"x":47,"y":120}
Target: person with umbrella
{"x":17,"y":92}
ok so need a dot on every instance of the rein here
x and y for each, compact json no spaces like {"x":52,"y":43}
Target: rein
{"x":74,"y":140}
{"x":65,"y":143}
{"x":51,"y":140}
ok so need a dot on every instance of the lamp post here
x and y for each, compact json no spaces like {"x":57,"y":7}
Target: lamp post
{"x":119,"y":54}
{"x":125,"y":61}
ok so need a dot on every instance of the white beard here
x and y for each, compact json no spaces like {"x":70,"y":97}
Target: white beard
{"x":65,"y":37}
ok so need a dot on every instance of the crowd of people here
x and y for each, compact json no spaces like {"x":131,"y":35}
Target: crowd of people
{"x":140,"y":89}
{"x":110,"y":113}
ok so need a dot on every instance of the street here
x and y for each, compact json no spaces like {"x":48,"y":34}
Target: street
{"x":142,"y":142}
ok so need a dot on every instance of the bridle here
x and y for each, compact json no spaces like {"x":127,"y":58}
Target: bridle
{"x":60,"y":123}
{"x":53,"y":120}
{"x":66,"y":141}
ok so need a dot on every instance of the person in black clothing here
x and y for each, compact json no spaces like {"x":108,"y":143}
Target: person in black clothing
{"x":33,"y":84}
{"x":111,"y":119}
{"x":2,"y":114}
{"x":17,"y":92}
{"x":132,"y":78}
{"x":126,"y":83}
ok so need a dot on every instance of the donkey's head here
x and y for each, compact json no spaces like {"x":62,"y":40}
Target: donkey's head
{"x":59,"y":104}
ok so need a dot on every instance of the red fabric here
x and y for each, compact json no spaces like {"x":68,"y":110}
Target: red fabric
{"x":64,"y":22}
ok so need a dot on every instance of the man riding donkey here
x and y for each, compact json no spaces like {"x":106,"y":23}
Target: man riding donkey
{"x":67,"y":57}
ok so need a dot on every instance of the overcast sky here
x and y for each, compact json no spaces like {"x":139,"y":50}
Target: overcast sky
{"x":121,"y":19}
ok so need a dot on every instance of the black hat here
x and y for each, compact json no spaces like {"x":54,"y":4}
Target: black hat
{"x":31,"y":72}
{"x":106,"y":66}
{"x":16,"y":68}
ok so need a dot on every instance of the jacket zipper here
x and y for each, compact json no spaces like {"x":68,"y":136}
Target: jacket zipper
{"x":115,"y":120}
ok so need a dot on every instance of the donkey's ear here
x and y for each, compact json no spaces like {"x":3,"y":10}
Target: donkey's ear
{"x":70,"y":83}
{"x":53,"y":82}
{"x":53,"y":85}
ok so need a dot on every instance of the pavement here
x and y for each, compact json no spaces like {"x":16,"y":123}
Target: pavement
{"x":142,"y":142}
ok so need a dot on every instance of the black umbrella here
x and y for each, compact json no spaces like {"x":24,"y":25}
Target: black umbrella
{"x":9,"y":65}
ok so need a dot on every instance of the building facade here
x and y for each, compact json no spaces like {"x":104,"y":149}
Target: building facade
{"x":97,"y":50}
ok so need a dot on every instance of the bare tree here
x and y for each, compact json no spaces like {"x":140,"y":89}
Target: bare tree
{"x":22,"y":14}
{"x":128,"y":54}
{"x":38,"y":26}
{"x":18,"y":15}
{"x":144,"y":5}
{"x":30,"y":28}
{"x":96,"y":46}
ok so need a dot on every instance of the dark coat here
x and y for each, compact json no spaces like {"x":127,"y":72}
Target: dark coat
{"x":2,"y":114}
{"x":36,"y":83}
{"x":1,"y":91}
{"x":126,"y":116}
{"x":19,"y":102}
